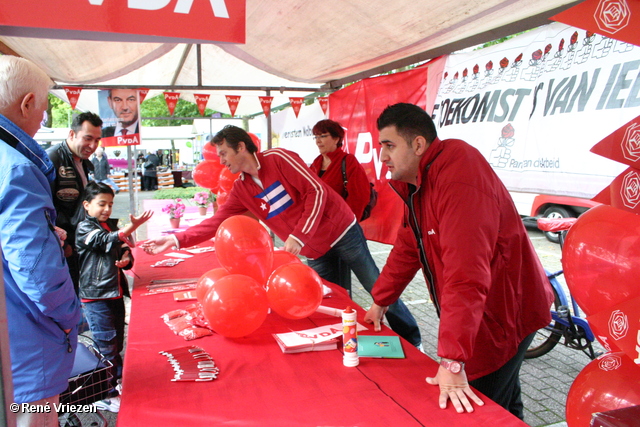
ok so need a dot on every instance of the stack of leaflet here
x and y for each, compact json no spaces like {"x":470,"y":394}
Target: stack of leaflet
{"x":316,"y":339}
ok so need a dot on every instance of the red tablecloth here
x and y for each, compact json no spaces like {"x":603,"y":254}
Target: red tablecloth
{"x":258,"y":385}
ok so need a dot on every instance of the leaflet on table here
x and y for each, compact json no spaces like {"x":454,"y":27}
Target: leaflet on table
{"x":316,"y":339}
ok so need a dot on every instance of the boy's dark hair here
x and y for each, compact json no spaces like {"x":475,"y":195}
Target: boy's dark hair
{"x":410,"y":121}
{"x":233,"y":135}
{"x":331,"y":127}
{"x":94,"y":188}
{"x":90,"y":117}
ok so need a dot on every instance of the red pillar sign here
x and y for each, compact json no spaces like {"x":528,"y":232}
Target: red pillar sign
{"x":171,"y":98}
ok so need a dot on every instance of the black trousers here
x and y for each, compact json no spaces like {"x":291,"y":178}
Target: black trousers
{"x":503,"y":385}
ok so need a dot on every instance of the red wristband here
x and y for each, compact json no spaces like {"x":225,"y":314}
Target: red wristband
{"x":126,"y":240}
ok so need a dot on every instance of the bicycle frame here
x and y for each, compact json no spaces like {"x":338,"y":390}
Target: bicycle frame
{"x":567,"y":319}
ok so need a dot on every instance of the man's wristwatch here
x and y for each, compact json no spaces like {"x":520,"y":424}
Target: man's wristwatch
{"x":453,"y":366}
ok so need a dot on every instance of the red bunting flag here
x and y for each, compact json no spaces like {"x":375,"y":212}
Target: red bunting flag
{"x":324,"y":104}
{"x":142,"y":94}
{"x":233,"y":101}
{"x":296,"y":103}
{"x":623,"y":145}
{"x":616,"y":19}
{"x":73,"y":93}
{"x":171,"y":98}
{"x":201,"y":102}
{"x":623,"y":192}
{"x":266,"y":101}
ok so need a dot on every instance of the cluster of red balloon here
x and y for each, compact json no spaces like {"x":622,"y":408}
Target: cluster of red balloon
{"x":211,"y":174}
{"x":601,"y":261}
{"x":234,"y":298}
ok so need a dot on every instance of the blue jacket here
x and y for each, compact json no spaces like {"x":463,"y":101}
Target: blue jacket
{"x":40,"y":298}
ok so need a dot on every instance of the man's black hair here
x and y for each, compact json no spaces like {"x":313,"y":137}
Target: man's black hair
{"x":94,"y":188}
{"x":90,"y":117}
{"x":233,"y":135}
{"x":410,"y":121}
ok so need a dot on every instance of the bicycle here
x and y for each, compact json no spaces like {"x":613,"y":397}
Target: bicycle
{"x":564,"y":323}
{"x":90,"y":382}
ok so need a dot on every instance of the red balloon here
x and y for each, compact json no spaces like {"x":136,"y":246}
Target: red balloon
{"x":256,"y":140}
{"x":222,"y":197}
{"x":610,"y":382}
{"x":294,"y":291}
{"x":235,"y":306}
{"x":207,"y":174}
{"x":601,"y":258}
{"x":243,"y":246}
{"x":207,"y":280}
{"x":227,"y":179}
{"x":282,"y":257}
{"x":210,"y":152}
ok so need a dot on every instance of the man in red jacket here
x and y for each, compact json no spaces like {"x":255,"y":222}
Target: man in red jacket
{"x":310,"y":218}
{"x":484,"y":277}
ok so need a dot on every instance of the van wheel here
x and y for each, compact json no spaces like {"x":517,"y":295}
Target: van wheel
{"x":556,"y":212}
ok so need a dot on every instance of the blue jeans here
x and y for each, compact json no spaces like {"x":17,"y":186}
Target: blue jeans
{"x":353,"y":251}
{"x":106,"y":321}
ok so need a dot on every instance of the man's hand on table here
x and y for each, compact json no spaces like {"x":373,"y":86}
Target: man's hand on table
{"x":375,"y":315}
{"x":454,"y":387}
{"x":156,"y":246}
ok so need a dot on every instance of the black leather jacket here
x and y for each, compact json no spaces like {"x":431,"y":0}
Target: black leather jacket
{"x":67,"y":188}
{"x":98,"y":250}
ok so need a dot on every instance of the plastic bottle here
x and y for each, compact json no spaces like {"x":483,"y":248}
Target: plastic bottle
{"x":350,"y":337}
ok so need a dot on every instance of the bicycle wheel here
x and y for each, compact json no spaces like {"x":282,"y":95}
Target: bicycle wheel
{"x":547,"y":337}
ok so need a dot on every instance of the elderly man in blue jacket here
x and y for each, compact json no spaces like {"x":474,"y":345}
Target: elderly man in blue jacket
{"x":42,"y":307}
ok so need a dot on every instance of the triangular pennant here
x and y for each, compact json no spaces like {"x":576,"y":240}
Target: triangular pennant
{"x":233,"y":101}
{"x":171,"y":98}
{"x":266,"y":101}
{"x":610,"y":18}
{"x":623,"y":145}
{"x":73,"y":93}
{"x":623,"y":192}
{"x":296,"y":103}
{"x":324,"y":104}
{"x":201,"y":102}
{"x":142,"y":94}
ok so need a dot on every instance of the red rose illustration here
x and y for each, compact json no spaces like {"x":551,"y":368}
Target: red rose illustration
{"x":547,"y":48}
{"x":508,"y":131}
{"x":561,"y":45}
{"x":610,"y":362}
{"x":504,"y":63}
{"x":618,"y":325}
{"x":465,"y":72}
{"x":518,"y":58}
{"x":536,"y":55}
{"x":476,"y":68}
{"x":489,"y":66}
{"x":574,"y":37}
{"x":631,"y":189}
{"x":612,"y":15}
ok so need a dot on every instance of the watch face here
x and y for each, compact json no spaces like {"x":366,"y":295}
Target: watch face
{"x":455,"y":367}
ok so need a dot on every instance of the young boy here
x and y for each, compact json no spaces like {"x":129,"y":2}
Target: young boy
{"x":103,"y":255}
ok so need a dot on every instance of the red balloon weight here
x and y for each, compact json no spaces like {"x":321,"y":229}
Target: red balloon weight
{"x":611,"y":381}
{"x":210,"y":152}
{"x":282,"y":257}
{"x":601,"y":258}
{"x":207,"y":174}
{"x":227,"y":179}
{"x":256,"y":141}
{"x":207,"y":280}
{"x":235,"y":306}
{"x":294,"y":291}
{"x":243,"y":246}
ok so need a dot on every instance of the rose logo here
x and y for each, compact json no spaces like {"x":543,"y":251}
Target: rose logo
{"x":612,"y":15}
{"x":508,"y":131}
{"x":630,"y":189}
{"x":618,"y":325}
{"x":631,"y":142}
{"x":610,"y":362}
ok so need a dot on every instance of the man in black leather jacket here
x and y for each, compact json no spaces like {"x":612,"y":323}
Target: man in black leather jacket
{"x":71,"y":161}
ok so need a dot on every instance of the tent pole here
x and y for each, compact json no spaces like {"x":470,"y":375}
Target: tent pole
{"x":268,"y":91}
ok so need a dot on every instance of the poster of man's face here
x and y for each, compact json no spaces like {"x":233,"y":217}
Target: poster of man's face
{"x":119,"y":112}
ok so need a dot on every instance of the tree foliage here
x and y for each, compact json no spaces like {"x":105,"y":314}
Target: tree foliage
{"x":157,"y":107}
{"x":59,"y":113}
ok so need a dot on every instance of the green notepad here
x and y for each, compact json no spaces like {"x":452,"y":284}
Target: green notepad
{"x":383,"y":346}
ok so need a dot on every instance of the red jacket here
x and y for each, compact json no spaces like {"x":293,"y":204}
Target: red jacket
{"x":292,"y":201}
{"x":488,"y":283}
{"x":357,"y":181}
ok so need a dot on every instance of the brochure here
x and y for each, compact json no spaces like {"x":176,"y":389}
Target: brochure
{"x":381,"y":346}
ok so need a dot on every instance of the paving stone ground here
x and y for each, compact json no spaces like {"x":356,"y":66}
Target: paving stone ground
{"x":545,"y":380}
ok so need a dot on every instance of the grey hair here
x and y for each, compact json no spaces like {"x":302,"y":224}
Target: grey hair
{"x":18,"y":77}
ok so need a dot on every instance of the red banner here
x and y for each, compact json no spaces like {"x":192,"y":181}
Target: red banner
{"x":623,"y":145}
{"x":233,"y":101}
{"x":201,"y":102}
{"x":616,"y":19}
{"x":131,"y":21}
{"x":357,"y":108}
{"x":121,"y":140}
{"x":73,"y":93}
{"x":266,"y":101}
{"x":296,"y":103}
{"x":142,"y":94}
{"x":171,"y":98}
{"x":324,"y":103}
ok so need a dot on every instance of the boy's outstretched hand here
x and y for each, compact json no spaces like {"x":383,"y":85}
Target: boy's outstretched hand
{"x":137,"y":221}
{"x":125,"y":260}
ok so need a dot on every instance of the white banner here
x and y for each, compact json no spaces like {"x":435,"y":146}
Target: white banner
{"x":534,"y":106}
